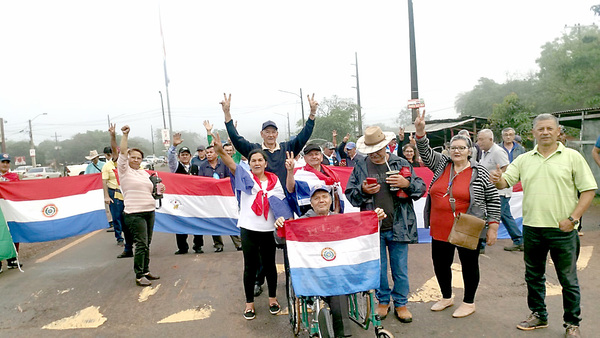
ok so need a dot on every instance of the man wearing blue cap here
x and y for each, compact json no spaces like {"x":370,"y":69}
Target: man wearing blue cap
{"x":7,"y":176}
{"x":276,"y":152}
{"x":181,"y":164}
{"x":348,"y":153}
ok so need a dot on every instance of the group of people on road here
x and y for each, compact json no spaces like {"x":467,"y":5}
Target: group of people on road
{"x":468,"y":178}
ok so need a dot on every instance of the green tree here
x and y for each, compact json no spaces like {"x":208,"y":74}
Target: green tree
{"x":569,"y":75}
{"x":511,"y":113}
{"x":403,"y":119}
{"x":481,"y":100}
{"x":334,"y":114}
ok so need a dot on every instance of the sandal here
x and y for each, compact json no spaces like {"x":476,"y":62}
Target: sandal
{"x":249,"y":314}
{"x":274,"y":308}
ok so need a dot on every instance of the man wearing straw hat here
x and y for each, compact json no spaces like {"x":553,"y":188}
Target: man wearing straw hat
{"x":383,"y":180}
{"x":96,"y":166}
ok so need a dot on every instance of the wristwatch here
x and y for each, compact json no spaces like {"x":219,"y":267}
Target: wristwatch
{"x":575,"y":222}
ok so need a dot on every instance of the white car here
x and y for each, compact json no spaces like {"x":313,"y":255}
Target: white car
{"x":40,"y":173}
{"x":21,"y":170}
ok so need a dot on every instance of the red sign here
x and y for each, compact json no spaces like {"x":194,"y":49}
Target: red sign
{"x":416,"y":103}
{"x":20,"y":160}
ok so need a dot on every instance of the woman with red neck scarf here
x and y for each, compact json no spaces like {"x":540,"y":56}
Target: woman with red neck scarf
{"x":314,"y":173}
{"x":262,"y":200}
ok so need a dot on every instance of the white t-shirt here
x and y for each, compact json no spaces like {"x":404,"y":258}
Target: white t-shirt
{"x":248,"y":219}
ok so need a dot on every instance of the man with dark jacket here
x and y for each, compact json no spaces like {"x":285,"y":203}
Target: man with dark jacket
{"x":183,"y":166}
{"x":215,"y":168}
{"x":383,"y":180}
{"x":276,"y":152}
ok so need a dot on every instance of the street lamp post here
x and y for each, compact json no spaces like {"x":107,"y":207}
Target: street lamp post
{"x":32,"y":146}
{"x":301,"y":102}
{"x":289,"y":132}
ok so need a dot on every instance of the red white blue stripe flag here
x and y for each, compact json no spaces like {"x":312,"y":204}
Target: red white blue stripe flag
{"x":197,"y":205}
{"x":334,"y":255}
{"x":46,"y":210}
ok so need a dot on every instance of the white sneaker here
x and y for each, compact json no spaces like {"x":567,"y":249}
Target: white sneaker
{"x":443,"y":304}
{"x":465,"y":309}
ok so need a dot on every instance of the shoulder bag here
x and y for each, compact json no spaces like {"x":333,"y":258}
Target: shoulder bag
{"x":466,"y":228}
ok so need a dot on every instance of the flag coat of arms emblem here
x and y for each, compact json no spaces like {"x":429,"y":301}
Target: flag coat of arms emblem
{"x":334,"y":255}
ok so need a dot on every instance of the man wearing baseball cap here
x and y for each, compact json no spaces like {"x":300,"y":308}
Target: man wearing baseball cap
{"x":313,"y":174}
{"x":329,"y":157}
{"x":384,"y":180}
{"x":276,"y":151}
{"x":348,"y":153}
{"x":200,"y":155}
{"x":7,"y":176}
{"x":182,"y":165}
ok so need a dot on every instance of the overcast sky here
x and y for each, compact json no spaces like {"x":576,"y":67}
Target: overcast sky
{"x":82,"y":61}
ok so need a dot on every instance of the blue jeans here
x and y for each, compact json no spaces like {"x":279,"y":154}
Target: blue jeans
{"x":116,"y":211}
{"x":399,"y":264}
{"x":509,"y":221}
{"x":564,"y":251}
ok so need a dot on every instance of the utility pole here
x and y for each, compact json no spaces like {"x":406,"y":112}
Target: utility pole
{"x":358,"y":108}
{"x":162,"y":105}
{"x":31,"y":146}
{"x":57,"y":148}
{"x":108,"y":117}
{"x":414,"y":84}
{"x":289,"y":130}
{"x":2,"y":132}
{"x":152,"y":137}
{"x":302,"y":106}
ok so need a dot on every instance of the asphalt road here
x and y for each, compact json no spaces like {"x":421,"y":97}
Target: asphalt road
{"x":79,"y":282}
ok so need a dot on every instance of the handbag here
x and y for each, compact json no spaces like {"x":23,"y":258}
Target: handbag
{"x":466,"y":228}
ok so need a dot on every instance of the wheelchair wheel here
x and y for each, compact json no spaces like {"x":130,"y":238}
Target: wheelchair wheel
{"x":383,"y":333}
{"x":325,"y":323}
{"x":361,"y":302}
{"x":293,"y":309}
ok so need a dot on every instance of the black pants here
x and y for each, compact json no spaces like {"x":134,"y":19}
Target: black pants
{"x":183,"y":245}
{"x":258,"y":247}
{"x":442,"y":255}
{"x":339,"y":313}
{"x":564,"y":250}
{"x":141,"y":225}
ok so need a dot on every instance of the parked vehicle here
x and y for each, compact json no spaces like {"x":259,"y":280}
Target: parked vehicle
{"x":40,"y":173}
{"x":79,"y":169}
{"x":21,"y":170}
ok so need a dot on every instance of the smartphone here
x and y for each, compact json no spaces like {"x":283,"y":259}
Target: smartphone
{"x":371,"y":180}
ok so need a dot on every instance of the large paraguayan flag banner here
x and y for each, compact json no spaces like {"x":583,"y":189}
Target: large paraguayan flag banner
{"x":197,"y":205}
{"x":516,"y":202}
{"x":51,"y":209}
{"x":334,"y":255}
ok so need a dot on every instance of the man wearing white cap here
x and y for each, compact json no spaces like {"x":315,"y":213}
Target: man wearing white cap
{"x":383,"y":180}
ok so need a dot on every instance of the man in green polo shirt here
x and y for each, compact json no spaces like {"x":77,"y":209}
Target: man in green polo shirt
{"x":551,"y":175}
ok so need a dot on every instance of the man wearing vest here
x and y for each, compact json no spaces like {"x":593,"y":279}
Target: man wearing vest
{"x":183,"y":166}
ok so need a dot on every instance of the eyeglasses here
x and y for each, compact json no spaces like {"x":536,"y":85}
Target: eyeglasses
{"x":461,"y":148}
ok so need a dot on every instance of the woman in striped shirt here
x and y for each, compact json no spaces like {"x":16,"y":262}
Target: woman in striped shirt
{"x":139,"y":206}
{"x":474,"y":194}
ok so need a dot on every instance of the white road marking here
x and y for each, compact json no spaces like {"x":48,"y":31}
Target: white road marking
{"x":430,"y":291}
{"x":87,"y":318}
{"x":189,"y":315}
{"x":585,"y":254}
{"x":68,"y":246}
{"x":553,"y":290}
{"x":147,"y":292}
